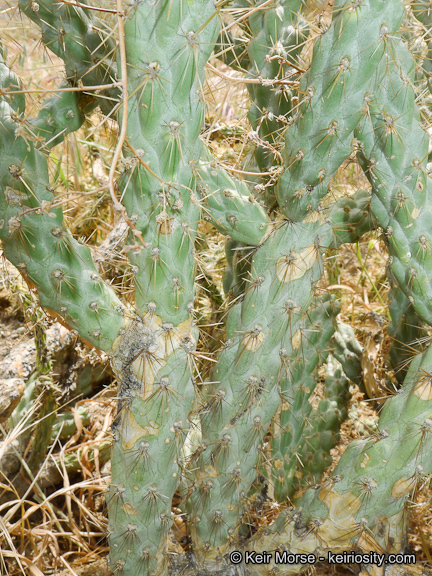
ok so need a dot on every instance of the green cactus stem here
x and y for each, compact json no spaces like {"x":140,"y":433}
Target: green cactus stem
{"x":349,"y":60}
{"x":394,"y":154}
{"x":347,"y":350}
{"x":262,"y":337}
{"x":75,"y":35}
{"x":351,"y":217}
{"x":231,"y":208}
{"x":167,"y":46}
{"x":278,"y":34}
{"x":323,"y":430}
{"x":405,"y":330}
{"x":36,"y":240}
{"x":289,"y":442}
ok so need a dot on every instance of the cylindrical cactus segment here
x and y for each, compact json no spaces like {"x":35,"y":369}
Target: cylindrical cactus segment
{"x":156,"y":397}
{"x":363,"y":504}
{"x":228,"y":205}
{"x":59,"y":115}
{"x":263,"y":336}
{"x":278,"y":34}
{"x":349,"y":61}
{"x":351,"y":217}
{"x":169,"y":180}
{"x":167,"y":45}
{"x":322,"y":432}
{"x":296,"y":389}
{"x":394,"y":155}
{"x":405,"y":329}
{"x":348,"y":351}
{"x":166,"y":55}
{"x":37,"y":241}
{"x":75,"y":35}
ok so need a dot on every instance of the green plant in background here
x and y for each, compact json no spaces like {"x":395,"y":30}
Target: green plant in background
{"x":251,"y":420}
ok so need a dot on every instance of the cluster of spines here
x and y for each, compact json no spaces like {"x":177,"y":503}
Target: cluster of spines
{"x":304,"y":436}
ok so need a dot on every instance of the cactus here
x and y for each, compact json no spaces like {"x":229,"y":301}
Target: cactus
{"x":72,"y":34}
{"x":347,"y":350}
{"x":258,"y":345}
{"x":211,"y":437}
{"x":278,"y":36}
{"x":323,"y":430}
{"x":422,"y":11}
{"x":301,"y":429}
{"x":401,"y":188}
{"x":297,"y":387}
{"x":362,"y":504}
{"x":321,"y":138}
{"x":405,"y":330}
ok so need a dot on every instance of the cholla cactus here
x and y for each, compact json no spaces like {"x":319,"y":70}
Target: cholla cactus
{"x":253,"y":415}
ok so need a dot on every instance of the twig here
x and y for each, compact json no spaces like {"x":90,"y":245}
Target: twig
{"x":86,"y":7}
{"x":123,"y":129}
{"x":72,"y":89}
{"x":247,"y":15}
